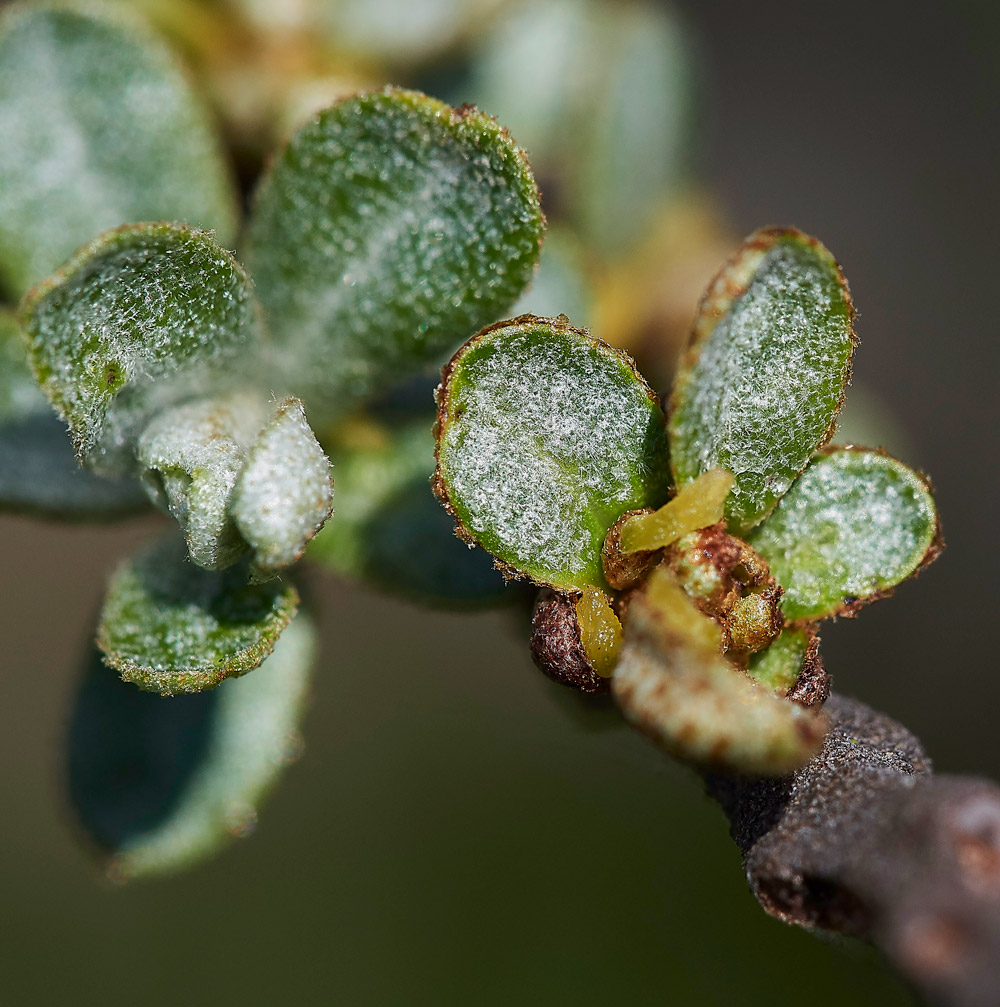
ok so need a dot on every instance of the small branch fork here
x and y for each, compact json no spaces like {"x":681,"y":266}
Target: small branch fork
{"x":865,"y":840}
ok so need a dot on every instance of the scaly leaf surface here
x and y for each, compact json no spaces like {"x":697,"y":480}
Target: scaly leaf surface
{"x":855,"y":524}
{"x":546,"y":436}
{"x":762,"y":382}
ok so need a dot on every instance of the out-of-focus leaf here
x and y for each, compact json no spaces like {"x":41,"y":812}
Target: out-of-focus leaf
{"x":777,"y":667}
{"x":673,"y":683}
{"x":855,"y":524}
{"x":171,"y":627}
{"x":39,"y":476}
{"x":396,"y":30}
{"x":602,"y":97}
{"x":19,"y":392}
{"x":284,"y":493}
{"x":546,"y":436}
{"x":389,"y":229}
{"x":561,"y":286}
{"x":163,"y":784}
{"x":389,"y":529}
{"x":144,"y":315}
{"x":762,"y":382}
{"x":100,"y":128}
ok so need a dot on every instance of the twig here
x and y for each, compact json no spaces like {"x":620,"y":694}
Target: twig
{"x":864,"y":840}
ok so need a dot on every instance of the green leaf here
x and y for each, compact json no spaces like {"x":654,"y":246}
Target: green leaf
{"x":100,"y":128}
{"x":762,"y":382}
{"x":170,"y":627}
{"x":38,"y":473}
{"x":39,"y":476}
{"x":855,"y":524}
{"x":778,"y":666}
{"x":161,"y":785}
{"x":191,"y":456}
{"x":284,"y":493}
{"x":19,"y":392}
{"x":387,"y":231}
{"x":546,"y":436}
{"x":602,"y":98}
{"x":390,"y":530}
{"x":143,"y":316}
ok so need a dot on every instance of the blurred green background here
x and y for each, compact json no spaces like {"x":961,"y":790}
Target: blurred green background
{"x":460,"y":830}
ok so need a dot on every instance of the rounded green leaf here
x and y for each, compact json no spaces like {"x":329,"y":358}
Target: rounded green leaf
{"x":100,"y":128}
{"x":389,"y":530}
{"x":855,"y":524}
{"x":144,"y":315}
{"x":546,"y":436}
{"x":161,"y":785}
{"x":389,"y":229}
{"x":762,"y":382}
{"x":170,"y":627}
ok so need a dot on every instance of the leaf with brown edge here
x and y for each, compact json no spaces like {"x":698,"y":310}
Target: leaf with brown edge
{"x":171,"y":627}
{"x":546,"y":436}
{"x":856,"y":523}
{"x":764,"y":376}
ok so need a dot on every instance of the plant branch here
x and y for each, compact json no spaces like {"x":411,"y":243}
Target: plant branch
{"x":865,"y":840}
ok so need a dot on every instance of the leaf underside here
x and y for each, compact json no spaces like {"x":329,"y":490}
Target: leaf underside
{"x":161,"y":785}
{"x":546,"y":436}
{"x":171,"y":627}
{"x":760,"y":387}
{"x":100,"y":127}
{"x":146,"y":314}
{"x":388,"y":230}
{"x":855,"y":524}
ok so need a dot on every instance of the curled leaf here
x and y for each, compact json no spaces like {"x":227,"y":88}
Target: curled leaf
{"x":171,"y":627}
{"x":673,"y":683}
{"x":388,"y":229}
{"x":100,"y":128}
{"x":284,"y":493}
{"x":764,"y":377}
{"x":161,"y":785}
{"x":191,"y":456}
{"x":142,"y":316}
{"x":388,"y":528}
{"x":855,"y":524}
{"x":546,"y":436}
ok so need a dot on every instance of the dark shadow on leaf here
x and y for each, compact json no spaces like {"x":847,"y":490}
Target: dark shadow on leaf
{"x":132,"y":754}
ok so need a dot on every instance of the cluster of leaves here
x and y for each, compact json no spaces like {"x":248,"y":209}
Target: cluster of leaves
{"x":387,"y":230}
{"x":553,"y":453}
